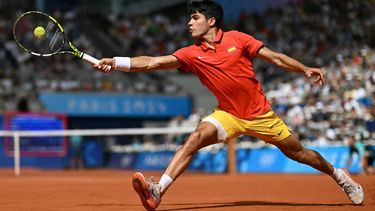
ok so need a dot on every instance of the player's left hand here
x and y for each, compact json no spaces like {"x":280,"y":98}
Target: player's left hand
{"x":105,"y":65}
{"x":315,"y":72}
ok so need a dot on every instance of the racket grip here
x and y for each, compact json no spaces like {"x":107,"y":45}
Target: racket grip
{"x":90,"y":59}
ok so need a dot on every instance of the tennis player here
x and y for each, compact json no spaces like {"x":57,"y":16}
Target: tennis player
{"x":223,"y":62}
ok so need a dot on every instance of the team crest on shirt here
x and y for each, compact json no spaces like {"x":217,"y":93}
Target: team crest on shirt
{"x":231,"y":49}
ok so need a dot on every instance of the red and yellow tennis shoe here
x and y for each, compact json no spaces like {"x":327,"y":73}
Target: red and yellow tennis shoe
{"x":148,"y":191}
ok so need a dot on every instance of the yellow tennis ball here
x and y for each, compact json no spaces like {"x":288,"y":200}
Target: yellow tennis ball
{"x":39,"y":32}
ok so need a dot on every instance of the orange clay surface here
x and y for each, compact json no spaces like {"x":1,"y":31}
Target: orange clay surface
{"x":111,"y":190}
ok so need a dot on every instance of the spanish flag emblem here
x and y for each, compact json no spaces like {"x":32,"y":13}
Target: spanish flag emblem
{"x":231,"y":49}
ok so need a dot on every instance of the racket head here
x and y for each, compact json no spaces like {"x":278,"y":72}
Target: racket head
{"x":49,"y":43}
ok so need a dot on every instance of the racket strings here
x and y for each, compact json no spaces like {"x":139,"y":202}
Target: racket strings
{"x":55,"y":38}
{"x":50,"y":42}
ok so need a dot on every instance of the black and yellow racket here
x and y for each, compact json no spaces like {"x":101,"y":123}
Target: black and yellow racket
{"x":41,"y":35}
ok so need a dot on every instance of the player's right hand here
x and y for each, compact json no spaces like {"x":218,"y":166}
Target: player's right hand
{"x":105,"y":65}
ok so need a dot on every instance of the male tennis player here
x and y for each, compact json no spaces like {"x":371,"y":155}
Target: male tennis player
{"x":223,"y":62}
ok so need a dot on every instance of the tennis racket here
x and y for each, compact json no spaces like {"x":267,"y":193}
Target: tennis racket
{"x":41,"y":35}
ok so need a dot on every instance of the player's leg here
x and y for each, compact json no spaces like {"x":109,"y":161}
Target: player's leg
{"x":204,"y":135}
{"x":293,"y":149}
{"x":151,"y":192}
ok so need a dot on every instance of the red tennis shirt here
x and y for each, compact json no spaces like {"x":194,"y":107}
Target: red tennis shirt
{"x":228,"y":72}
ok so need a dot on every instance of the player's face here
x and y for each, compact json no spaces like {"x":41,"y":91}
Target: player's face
{"x":198,"y":25}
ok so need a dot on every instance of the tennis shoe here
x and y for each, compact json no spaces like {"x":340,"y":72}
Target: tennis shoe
{"x":148,"y":191}
{"x":351,"y":188}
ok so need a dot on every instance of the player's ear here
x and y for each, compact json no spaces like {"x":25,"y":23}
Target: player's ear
{"x":212,"y":21}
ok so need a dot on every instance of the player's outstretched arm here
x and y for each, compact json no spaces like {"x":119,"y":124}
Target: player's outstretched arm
{"x":288,"y":63}
{"x":138,"y":64}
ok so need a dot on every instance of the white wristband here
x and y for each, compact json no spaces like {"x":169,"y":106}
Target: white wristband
{"x":122,"y":63}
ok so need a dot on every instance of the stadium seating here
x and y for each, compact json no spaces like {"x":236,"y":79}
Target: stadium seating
{"x":314,"y":32}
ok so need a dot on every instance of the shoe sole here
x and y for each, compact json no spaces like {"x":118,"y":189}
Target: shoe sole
{"x":140,"y":186}
{"x":348,"y":174}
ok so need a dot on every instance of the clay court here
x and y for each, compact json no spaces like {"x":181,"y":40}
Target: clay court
{"x":111,"y":190}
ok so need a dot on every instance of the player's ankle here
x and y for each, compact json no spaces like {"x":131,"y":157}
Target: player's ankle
{"x":337,"y":176}
{"x":165,"y":182}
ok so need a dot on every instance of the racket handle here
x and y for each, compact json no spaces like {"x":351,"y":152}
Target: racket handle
{"x":90,"y":59}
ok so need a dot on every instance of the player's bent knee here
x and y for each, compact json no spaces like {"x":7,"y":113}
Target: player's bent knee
{"x":195,"y":137}
{"x":192,"y":143}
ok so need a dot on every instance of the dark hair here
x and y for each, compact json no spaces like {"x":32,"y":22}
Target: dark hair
{"x":208,"y":8}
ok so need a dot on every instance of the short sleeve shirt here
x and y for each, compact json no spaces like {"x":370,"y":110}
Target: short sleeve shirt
{"x":227,"y":71}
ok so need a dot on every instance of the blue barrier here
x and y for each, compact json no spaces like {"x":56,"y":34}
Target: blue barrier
{"x":92,"y":154}
{"x":263,"y":160}
{"x":260,"y":160}
{"x":42,"y":162}
{"x":36,"y":146}
{"x":111,"y":105}
{"x":272,"y":160}
{"x":92,"y":157}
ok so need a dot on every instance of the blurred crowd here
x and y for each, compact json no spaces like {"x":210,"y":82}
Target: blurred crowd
{"x":343,"y":106}
{"x":23,"y":77}
{"x":336,"y":35}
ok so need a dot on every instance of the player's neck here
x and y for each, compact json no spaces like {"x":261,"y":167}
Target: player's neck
{"x":209,"y":37}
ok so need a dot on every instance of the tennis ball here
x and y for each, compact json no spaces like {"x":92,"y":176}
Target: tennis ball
{"x":39,"y":32}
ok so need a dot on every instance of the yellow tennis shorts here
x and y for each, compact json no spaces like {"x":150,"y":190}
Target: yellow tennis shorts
{"x":267,"y":127}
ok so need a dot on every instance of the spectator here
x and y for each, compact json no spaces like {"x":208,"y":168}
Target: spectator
{"x":76,"y":144}
{"x":364,"y":153}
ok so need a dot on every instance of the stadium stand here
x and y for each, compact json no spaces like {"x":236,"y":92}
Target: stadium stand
{"x":315,"y":32}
